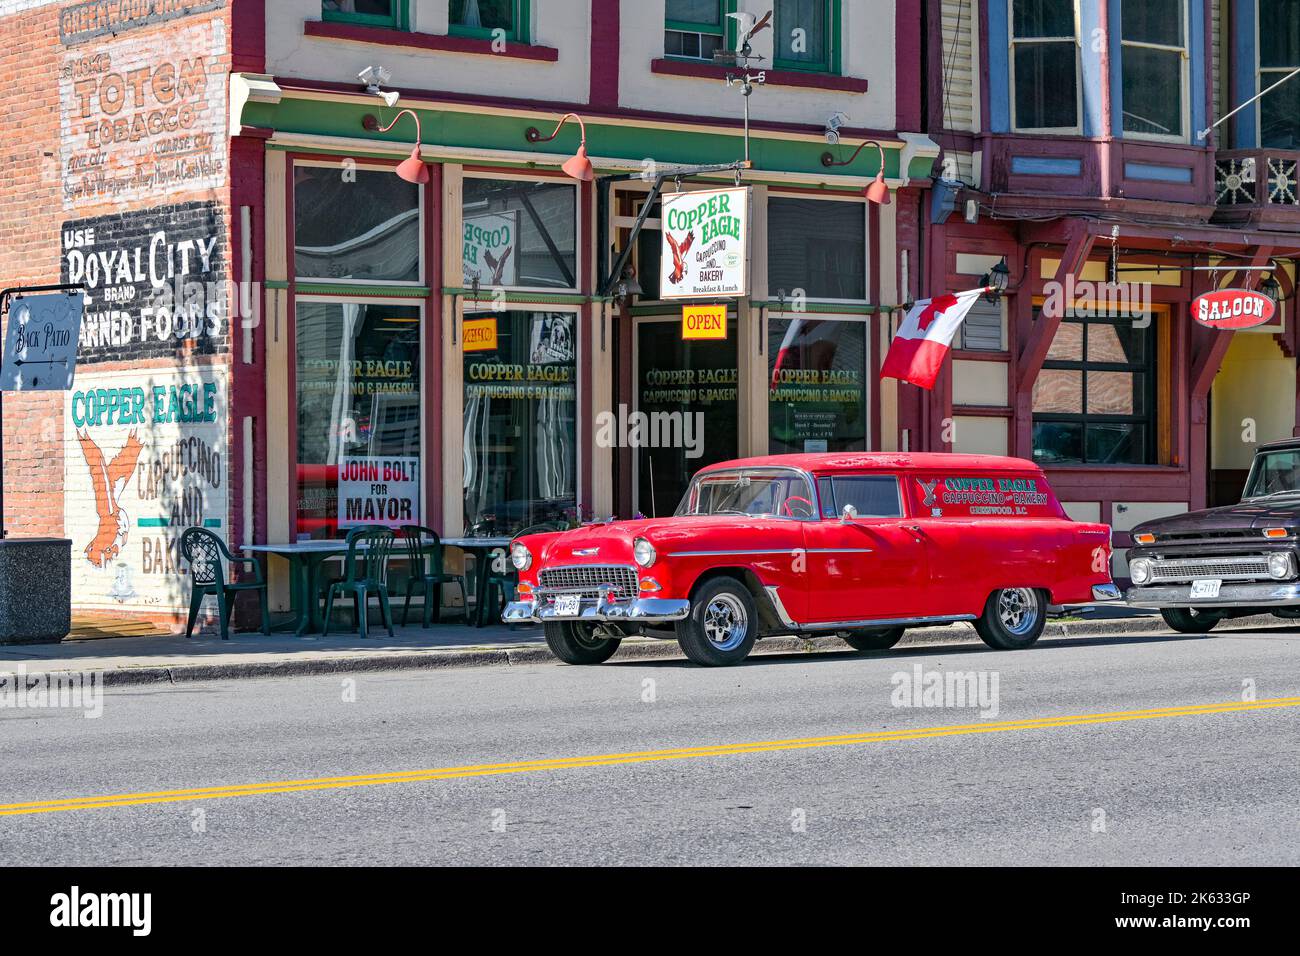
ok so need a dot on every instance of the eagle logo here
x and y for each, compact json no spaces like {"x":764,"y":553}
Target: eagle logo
{"x":928,"y":487}
{"x":498,"y":266}
{"x":109,"y":482}
{"x":679,"y":255}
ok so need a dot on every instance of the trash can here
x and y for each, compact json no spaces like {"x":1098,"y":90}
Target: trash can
{"x":35,"y":590}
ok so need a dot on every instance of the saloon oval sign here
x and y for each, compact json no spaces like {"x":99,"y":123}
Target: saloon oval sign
{"x":1232,"y":309}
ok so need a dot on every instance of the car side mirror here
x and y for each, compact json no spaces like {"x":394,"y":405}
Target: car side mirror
{"x":849,"y":514}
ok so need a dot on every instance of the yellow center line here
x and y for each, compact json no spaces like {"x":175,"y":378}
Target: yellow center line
{"x":642,"y":756}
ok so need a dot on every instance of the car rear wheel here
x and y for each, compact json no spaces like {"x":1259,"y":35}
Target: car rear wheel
{"x":1191,"y":620}
{"x":877,"y":639}
{"x":1013,"y":618}
{"x":577,"y":643}
{"x":722,"y":626}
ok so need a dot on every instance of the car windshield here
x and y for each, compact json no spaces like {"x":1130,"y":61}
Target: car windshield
{"x":759,"y":493}
{"x":1274,"y":473}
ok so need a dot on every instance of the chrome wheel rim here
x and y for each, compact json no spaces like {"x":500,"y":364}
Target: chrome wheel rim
{"x":725,"y":622}
{"x":1018,"y":610}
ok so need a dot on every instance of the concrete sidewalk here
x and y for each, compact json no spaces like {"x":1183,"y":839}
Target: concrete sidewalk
{"x":136,"y":658}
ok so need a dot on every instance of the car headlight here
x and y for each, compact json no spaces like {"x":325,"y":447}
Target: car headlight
{"x":644,"y":552}
{"x":1280,"y":565}
{"x":1139,"y":569}
{"x":520,"y":556}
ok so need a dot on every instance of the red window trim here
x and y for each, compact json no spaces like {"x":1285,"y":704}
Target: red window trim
{"x":817,"y":81}
{"x":354,"y":33}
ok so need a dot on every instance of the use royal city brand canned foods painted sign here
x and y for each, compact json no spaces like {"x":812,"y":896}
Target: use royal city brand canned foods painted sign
{"x":704,"y":322}
{"x":1232,"y":309}
{"x":705,"y":245}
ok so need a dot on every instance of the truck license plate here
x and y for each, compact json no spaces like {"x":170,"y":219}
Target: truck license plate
{"x":1206,"y":589}
{"x":568,"y":605}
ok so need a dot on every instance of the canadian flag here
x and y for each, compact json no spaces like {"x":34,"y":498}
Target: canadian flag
{"x":922,"y":341}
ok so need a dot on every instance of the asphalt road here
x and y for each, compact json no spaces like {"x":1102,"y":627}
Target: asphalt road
{"x":1201,"y":785}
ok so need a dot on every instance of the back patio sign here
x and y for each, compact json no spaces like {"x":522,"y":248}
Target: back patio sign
{"x":144,"y":459}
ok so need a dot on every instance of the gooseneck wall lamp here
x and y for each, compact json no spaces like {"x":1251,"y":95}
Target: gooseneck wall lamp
{"x":413,"y":168}
{"x":876,"y":191}
{"x":578,"y":166}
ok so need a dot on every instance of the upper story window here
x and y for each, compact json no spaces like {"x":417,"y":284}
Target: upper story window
{"x":1153,"y":35}
{"x":375,"y":13}
{"x":1044,"y":65}
{"x":1279,"y":54}
{"x":483,"y":18}
{"x":806,"y":35}
{"x":694,"y":29}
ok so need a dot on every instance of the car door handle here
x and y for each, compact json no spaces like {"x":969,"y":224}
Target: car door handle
{"x":917,"y":533}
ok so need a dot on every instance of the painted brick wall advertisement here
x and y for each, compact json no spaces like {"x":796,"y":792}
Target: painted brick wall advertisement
{"x":144,"y":114}
{"x":144,"y":459}
{"x":154,"y":279}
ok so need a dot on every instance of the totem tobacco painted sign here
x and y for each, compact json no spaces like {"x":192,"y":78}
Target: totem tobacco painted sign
{"x":1232,"y":309}
{"x":705,"y":246}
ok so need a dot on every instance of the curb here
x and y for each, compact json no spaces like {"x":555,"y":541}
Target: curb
{"x":645,"y":649}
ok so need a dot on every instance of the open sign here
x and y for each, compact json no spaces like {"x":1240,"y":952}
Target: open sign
{"x":1232,"y":309}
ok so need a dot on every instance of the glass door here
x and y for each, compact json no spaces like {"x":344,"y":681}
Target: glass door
{"x":685,"y":414}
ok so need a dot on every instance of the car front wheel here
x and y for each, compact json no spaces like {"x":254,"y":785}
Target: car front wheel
{"x":1191,"y":620}
{"x":1013,"y":618}
{"x":879,"y":639}
{"x":722,"y":626}
{"x":576,"y":643}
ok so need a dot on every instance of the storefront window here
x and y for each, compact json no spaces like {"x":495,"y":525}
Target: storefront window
{"x":816,"y":245}
{"x":1094,"y":400}
{"x":358,"y":385}
{"x":355,"y":224}
{"x":817,"y":397}
{"x":520,"y":234}
{"x":521,"y":402}
{"x":686,"y":403}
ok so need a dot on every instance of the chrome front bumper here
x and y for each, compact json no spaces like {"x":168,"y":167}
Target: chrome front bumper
{"x":1265,"y":594}
{"x":639,"y":611}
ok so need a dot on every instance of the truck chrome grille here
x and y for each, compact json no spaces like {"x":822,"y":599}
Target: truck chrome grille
{"x":1245,"y":568}
{"x":588,"y":579}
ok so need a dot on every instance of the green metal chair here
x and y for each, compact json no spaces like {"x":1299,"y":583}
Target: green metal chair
{"x":203,"y":552}
{"x":426,"y":574}
{"x":365,"y":571}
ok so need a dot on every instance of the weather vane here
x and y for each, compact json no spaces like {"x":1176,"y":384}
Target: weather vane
{"x":749,"y":25}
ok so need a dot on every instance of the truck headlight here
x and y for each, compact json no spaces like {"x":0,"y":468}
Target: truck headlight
{"x":520,"y":557}
{"x":644,"y":552}
{"x":1139,"y":569}
{"x":1280,"y":565}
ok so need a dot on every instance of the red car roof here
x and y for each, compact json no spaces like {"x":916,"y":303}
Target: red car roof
{"x":891,"y":460}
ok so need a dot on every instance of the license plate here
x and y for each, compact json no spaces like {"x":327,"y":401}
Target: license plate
{"x":568,"y":605}
{"x":1206,"y":589}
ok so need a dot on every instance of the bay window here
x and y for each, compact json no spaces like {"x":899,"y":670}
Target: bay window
{"x":1279,"y":54}
{"x":1153,"y":55}
{"x":1044,"y":65}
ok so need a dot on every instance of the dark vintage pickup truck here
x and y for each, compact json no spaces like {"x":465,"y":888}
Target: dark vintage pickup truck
{"x":1206,"y":566}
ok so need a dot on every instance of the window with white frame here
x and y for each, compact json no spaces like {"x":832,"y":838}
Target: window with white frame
{"x":1279,"y":55}
{"x":1044,"y":65}
{"x":1153,"y":66}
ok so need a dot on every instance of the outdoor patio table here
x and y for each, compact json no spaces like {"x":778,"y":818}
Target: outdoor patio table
{"x":481,"y":549}
{"x":305,"y":559}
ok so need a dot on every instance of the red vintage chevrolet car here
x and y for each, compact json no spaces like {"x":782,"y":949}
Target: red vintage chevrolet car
{"x":858,"y":545}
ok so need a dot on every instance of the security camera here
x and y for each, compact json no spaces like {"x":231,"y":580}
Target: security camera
{"x":833,"y":124}
{"x":374,"y":77}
